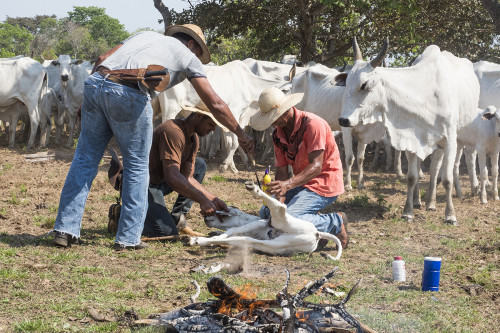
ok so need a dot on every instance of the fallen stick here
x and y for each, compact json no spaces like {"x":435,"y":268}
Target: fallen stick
{"x":165,"y":238}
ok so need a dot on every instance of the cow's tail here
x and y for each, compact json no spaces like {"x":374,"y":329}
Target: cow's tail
{"x":325,"y":235}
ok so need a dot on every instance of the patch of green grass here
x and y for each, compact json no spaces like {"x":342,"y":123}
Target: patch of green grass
{"x":359,"y":200}
{"x":33,"y":325}
{"x":7,"y":166}
{"x":110,"y":197}
{"x":23,"y":188}
{"x":43,"y":221}
{"x":13,"y":200}
{"x":218,"y":178}
{"x":62,"y":257}
{"x":10,"y":274}
{"x":75,"y":143}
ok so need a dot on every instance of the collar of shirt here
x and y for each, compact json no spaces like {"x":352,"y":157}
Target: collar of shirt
{"x":298,"y":117}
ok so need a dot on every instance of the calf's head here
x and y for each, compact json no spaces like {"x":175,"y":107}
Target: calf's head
{"x":491,"y":112}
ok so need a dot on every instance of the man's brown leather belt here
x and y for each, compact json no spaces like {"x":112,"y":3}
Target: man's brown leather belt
{"x":104,"y":72}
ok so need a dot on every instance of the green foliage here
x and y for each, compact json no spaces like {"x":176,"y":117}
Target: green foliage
{"x":218,"y":178}
{"x":14,"y":41}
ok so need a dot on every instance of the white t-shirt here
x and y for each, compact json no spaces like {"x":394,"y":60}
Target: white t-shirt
{"x":151,"y":48}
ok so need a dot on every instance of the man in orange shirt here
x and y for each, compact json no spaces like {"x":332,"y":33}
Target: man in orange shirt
{"x":306,"y":143}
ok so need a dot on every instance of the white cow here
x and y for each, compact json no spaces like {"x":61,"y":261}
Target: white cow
{"x":324,"y":98}
{"x":236,"y":85}
{"x":71,"y":75}
{"x":24,"y":82}
{"x":273,"y":70}
{"x":421,"y":107}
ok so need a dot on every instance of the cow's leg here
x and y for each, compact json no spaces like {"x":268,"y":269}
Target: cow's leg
{"x":456,"y":172}
{"x":388,"y":153}
{"x":276,"y":208}
{"x":494,"y":174}
{"x":231,"y":144}
{"x":447,"y":177}
{"x":470,"y":161}
{"x":483,"y":171}
{"x":397,"y":163}
{"x":34,"y":122}
{"x":14,"y":119}
{"x":412,"y":178}
{"x":376,"y":156}
{"x":72,"y":121}
{"x":59,"y":121}
{"x":436,"y":161}
{"x":360,"y":158}
{"x":215,"y":141}
{"x":349,"y":156}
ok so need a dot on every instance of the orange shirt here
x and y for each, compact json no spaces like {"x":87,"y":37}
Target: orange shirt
{"x":318,"y":136}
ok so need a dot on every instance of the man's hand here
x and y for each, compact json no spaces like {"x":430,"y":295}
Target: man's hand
{"x":278,"y":188}
{"x":220,"y":205}
{"x":207,"y":208}
{"x":246,"y":142}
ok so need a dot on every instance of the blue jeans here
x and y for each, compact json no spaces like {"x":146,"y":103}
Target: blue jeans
{"x":159,"y":222}
{"x":305,"y":204}
{"x":110,"y":109}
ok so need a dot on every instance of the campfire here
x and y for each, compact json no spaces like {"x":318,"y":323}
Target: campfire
{"x":232,"y":311}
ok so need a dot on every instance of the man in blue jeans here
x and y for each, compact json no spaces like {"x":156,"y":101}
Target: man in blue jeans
{"x":173,"y":166}
{"x":114,"y":107}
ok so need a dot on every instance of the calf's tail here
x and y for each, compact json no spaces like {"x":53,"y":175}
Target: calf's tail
{"x":325,"y":235}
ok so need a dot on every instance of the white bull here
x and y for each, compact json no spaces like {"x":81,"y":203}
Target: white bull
{"x":421,"y":107}
{"x":488,"y":74}
{"x":235,"y":84}
{"x":24,"y":83}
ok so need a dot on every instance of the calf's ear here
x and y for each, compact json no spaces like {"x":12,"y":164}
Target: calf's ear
{"x":340,"y":79}
{"x":490,"y":112}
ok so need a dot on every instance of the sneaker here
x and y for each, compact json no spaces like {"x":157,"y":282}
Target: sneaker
{"x":63,"y":239}
{"x":343,"y":235}
{"x":121,"y":247}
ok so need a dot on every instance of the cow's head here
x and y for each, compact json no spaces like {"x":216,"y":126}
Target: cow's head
{"x":491,"y":112}
{"x":64,"y":63}
{"x":363,"y":98}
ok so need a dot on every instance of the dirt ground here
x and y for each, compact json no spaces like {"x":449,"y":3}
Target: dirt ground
{"x":29,"y":196}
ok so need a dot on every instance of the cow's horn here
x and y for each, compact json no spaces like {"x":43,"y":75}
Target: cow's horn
{"x":380,"y":57}
{"x":357,"y":51}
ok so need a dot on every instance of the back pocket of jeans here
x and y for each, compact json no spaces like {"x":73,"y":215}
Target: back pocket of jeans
{"x":123,"y":106}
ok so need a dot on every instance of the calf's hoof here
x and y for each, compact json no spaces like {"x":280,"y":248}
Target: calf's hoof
{"x":431,"y":208}
{"x":249,"y":185}
{"x":417,"y":205}
{"x":348,"y":187}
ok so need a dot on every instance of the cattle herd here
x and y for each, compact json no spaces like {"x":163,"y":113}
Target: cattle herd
{"x":441,"y":106}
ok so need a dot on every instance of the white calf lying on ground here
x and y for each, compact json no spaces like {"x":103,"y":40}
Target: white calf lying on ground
{"x":282,"y":234}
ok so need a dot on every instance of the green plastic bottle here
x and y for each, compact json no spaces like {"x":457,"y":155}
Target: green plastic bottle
{"x":267,"y":179}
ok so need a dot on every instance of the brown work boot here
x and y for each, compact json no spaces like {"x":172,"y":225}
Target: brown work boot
{"x":343,"y":235}
{"x":62,"y":239}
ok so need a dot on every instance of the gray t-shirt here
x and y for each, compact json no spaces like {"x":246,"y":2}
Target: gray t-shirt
{"x":151,"y":48}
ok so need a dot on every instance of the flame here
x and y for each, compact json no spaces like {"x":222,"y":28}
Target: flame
{"x":301,"y":316}
{"x":245,"y":302}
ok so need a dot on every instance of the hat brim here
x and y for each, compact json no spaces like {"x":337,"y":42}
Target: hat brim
{"x":206,"y":113}
{"x":261,"y":121}
{"x":205,"y":55}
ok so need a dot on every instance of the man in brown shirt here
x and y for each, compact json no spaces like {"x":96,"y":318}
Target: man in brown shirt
{"x":173,"y":166}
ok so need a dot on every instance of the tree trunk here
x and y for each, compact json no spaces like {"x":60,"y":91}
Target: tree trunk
{"x":493,"y":8}
{"x":165,"y":13}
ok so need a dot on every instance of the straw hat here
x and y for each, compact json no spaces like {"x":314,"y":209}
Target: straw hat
{"x":272,"y":104}
{"x":195,"y":32}
{"x":203,"y":109}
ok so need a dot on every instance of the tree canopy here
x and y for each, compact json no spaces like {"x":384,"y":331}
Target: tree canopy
{"x":85,"y":33}
{"x":322,"y":30}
